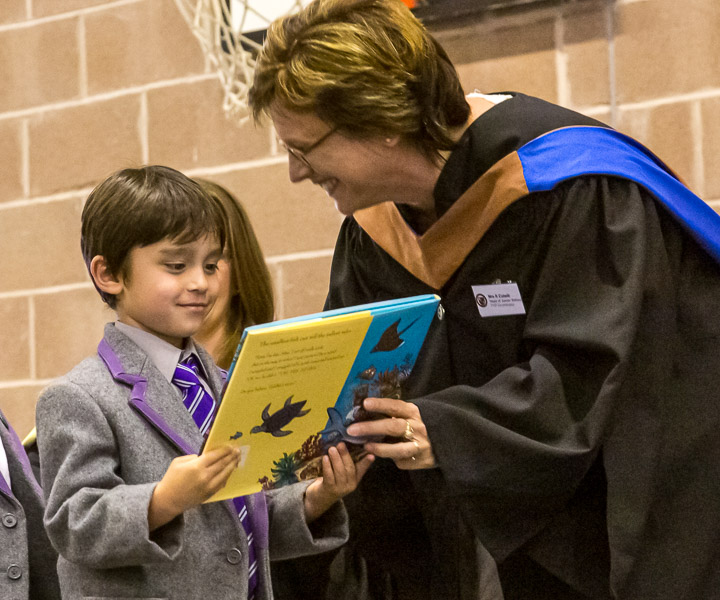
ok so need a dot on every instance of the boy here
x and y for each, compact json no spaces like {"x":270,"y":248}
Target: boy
{"x":26,"y":557}
{"x":118,"y":449}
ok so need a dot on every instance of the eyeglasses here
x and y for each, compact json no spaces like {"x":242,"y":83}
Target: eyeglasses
{"x":301,"y":155}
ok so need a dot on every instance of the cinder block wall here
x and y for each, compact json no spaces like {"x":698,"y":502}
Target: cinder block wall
{"x":91,"y":86}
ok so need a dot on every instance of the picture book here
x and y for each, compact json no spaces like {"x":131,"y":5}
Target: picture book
{"x":296,"y":385}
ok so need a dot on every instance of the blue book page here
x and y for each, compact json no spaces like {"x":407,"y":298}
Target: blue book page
{"x":383,"y":363}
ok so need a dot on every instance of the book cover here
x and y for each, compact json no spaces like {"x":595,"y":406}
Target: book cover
{"x":296,"y":385}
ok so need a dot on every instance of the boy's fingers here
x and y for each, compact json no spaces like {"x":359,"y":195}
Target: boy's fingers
{"x":219,"y":480}
{"x":328,"y":471}
{"x":215,"y":455}
{"x":209,"y":472}
{"x":343,"y":467}
{"x":347,"y":459}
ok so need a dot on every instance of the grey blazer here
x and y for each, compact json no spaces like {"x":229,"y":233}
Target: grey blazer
{"x":27,"y":560}
{"x":100,"y":460}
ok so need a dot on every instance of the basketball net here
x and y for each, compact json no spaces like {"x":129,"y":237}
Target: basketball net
{"x":231,"y":53}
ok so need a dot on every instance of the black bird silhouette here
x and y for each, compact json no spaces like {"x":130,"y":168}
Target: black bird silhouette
{"x":390,"y":339}
{"x":274,"y":423}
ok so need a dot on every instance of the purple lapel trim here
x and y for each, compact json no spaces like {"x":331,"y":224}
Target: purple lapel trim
{"x":5,"y":488}
{"x":18,"y":451}
{"x":137,"y":397}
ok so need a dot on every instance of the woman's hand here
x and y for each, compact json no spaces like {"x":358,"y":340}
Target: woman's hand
{"x":413,"y":449}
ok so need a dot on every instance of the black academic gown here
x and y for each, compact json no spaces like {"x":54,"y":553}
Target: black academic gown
{"x":580,"y":441}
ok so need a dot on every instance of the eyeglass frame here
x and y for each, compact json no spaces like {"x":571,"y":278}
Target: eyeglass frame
{"x":301,"y":155}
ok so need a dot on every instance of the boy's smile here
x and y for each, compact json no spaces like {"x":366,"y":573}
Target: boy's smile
{"x":170,"y":288}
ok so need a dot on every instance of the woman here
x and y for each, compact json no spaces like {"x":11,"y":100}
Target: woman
{"x":575,"y":336}
{"x":246,"y":296}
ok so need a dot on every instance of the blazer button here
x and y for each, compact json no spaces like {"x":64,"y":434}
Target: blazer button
{"x":9,"y":521}
{"x":440,"y":312}
{"x":234,"y":556}
{"x":14,"y":572}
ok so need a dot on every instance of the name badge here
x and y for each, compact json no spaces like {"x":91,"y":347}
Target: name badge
{"x":498,"y":299}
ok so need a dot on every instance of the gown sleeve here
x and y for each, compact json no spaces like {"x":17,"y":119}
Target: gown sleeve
{"x":516,"y":449}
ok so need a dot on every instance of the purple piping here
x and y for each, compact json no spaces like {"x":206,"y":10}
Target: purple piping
{"x":137,"y":396}
{"x":21,"y":455}
{"x":5,"y":488}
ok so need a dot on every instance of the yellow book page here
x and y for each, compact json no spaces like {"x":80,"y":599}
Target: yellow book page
{"x":283,"y":382}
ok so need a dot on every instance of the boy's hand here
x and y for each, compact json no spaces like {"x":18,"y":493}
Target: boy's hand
{"x":188,"y":482}
{"x":341,"y":476}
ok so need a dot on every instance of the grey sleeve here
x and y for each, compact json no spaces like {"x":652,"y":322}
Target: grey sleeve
{"x":93,"y":517}
{"x":291,"y":536}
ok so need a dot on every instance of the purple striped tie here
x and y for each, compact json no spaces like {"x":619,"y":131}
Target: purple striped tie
{"x":201,"y":406}
{"x":199,"y":403}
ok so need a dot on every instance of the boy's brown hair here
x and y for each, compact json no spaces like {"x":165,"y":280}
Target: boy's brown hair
{"x":138,"y":207}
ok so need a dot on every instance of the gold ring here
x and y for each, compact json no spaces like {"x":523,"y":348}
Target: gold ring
{"x":409,"y":431}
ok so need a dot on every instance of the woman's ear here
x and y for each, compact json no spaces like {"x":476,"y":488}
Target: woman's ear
{"x":104,"y":279}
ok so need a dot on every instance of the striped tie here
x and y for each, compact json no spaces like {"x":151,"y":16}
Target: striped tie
{"x":201,"y":406}
{"x":199,"y":403}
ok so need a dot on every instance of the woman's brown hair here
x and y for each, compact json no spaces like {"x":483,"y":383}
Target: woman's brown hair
{"x":251,"y":294}
{"x":368,"y":67}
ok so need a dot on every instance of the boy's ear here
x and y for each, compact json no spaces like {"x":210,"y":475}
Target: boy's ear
{"x":104,"y":279}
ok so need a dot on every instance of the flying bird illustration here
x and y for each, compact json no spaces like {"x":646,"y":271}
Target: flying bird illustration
{"x":390,"y":339}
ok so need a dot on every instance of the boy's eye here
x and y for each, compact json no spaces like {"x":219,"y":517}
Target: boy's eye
{"x":175,"y":266}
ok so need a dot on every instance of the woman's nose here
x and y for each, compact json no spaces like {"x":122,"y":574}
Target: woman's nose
{"x":298,"y":170}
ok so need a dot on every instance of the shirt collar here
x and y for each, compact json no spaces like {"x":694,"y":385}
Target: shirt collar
{"x":164,"y":355}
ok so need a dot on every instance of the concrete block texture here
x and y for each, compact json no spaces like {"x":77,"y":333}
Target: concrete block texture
{"x":664,"y":47}
{"x":14,"y":337}
{"x":47,"y":8}
{"x":13,"y":11}
{"x":11,"y":157}
{"x":40,"y":246}
{"x":188,"y":129}
{"x":586,"y":44}
{"x":39,"y":64}
{"x":301,"y":285}
{"x":57,"y":318}
{"x":18,"y":406}
{"x":139,"y":43}
{"x":506,"y":57}
{"x":78,"y":146}
{"x":711,"y":146}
